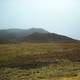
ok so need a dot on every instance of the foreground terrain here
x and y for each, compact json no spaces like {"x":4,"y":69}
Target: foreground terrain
{"x":40,"y":61}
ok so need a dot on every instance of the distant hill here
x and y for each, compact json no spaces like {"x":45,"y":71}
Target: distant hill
{"x":31,"y":35}
{"x":16,"y":35}
{"x":48,"y":37}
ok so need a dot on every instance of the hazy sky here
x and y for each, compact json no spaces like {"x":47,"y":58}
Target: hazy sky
{"x":59,"y":16}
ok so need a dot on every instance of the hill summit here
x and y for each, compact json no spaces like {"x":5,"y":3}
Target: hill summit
{"x":14,"y":35}
{"x":31,"y":35}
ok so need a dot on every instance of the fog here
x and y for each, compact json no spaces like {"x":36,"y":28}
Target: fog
{"x":58,"y":16}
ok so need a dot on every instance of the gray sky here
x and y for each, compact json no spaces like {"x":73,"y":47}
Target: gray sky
{"x":59,"y":16}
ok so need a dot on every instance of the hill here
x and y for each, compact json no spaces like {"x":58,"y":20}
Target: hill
{"x":48,"y":37}
{"x":31,"y":35}
{"x":16,"y":35}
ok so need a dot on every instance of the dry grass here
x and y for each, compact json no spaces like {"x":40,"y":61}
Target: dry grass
{"x":43,"y":61}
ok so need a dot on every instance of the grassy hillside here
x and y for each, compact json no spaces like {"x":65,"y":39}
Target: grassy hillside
{"x":31,"y":35}
{"x":17,"y":35}
{"x":48,"y":37}
{"x":40,"y":61}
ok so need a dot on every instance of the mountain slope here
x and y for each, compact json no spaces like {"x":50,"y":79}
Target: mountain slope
{"x":31,"y":35}
{"x":48,"y":37}
{"x":14,"y":35}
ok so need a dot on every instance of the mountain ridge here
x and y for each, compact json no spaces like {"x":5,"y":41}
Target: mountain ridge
{"x":32,"y":35}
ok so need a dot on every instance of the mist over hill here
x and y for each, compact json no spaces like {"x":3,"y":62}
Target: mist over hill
{"x":31,"y":35}
{"x":18,"y":34}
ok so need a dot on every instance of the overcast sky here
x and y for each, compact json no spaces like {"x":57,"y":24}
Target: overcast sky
{"x":59,"y":16}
